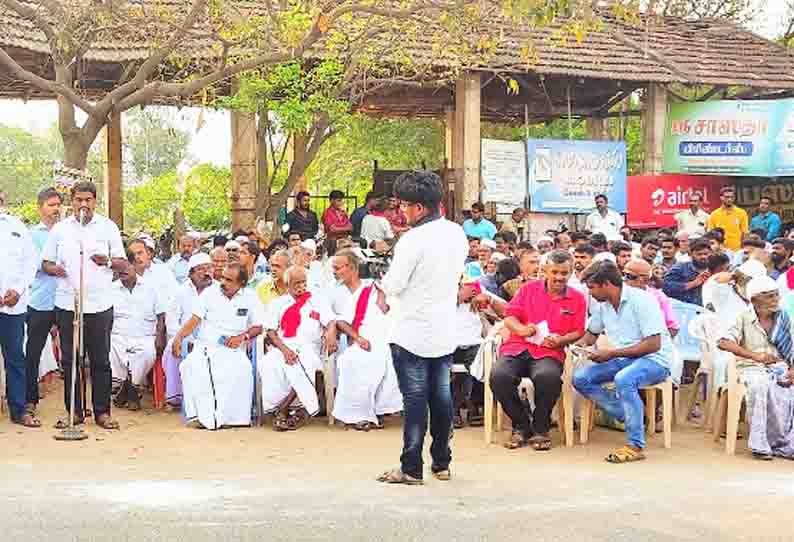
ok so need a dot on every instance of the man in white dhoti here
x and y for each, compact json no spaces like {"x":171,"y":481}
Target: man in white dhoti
{"x":294,"y":324}
{"x":137,"y":336}
{"x":217,"y":379}
{"x":367,"y":388}
{"x":200,"y":268}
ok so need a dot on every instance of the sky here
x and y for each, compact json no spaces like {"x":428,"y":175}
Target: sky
{"x":212,"y":143}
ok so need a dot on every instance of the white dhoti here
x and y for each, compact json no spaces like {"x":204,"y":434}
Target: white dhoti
{"x":367,"y":385}
{"x":131,"y":357}
{"x":218,"y":386}
{"x":278,"y":378}
{"x":48,"y":362}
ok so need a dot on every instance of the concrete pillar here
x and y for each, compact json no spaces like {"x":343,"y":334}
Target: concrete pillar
{"x":113,"y":191}
{"x":449,"y":130}
{"x":597,"y":129}
{"x":244,"y":179}
{"x":654,"y":125}
{"x":466,"y":140}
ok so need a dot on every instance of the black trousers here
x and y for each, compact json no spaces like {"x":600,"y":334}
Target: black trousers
{"x":464,"y":386}
{"x":96,"y":335}
{"x":39,"y":325}
{"x":546,"y":376}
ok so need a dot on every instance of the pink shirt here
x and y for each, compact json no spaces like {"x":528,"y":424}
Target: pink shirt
{"x":533,"y":304}
{"x":670,"y":319}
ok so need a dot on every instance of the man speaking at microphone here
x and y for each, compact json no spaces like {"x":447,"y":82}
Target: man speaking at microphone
{"x":103,"y":252}
{"x":423,"y":283}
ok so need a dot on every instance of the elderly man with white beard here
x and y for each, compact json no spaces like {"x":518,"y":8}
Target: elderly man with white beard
{"x":295,"y":325}
{"x":216,"y":376}
{"x":367,"y":387}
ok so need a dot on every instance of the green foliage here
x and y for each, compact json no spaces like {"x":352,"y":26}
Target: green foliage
{"x":205,"y":200}
{"x":28,"y":212}
{"x":153,"y":145}
{"x":293,"y":95}
{"x":27,"y":162}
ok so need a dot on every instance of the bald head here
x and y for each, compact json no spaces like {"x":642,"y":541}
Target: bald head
{"x":638,"y":267}
{"x":295,"y":277}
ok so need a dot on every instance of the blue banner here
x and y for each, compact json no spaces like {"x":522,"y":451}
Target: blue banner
{"x":566,"y":176}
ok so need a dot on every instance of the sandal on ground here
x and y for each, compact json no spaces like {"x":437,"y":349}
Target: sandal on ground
{"x":517,"y":440}
{"x":625,"y":454}
{"x":457,"y":422}
{"x":397,"y":476}
{"x":28,"y":420}
{"x":63,"y":423}
{"x":362,"y":426}
{"x":281,"y":422}
{"x":540,"y":443}
{"x":443,"y":475}
{"x":380,"y":425}
{"x":763,"y":456}
{"x":298,"y":420}
{"x":106,"y":422}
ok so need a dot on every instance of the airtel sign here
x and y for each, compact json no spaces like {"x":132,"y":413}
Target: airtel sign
{"x":654,"y":200}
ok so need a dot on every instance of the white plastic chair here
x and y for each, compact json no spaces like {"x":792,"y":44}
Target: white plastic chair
{"x":729,"y":406}
{"x":705,"y":328}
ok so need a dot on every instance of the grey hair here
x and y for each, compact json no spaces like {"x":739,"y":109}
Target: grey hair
{"x":558,"y":257}
{"x":352,"y":258}
{"x":288,"y":273}
{"x":283,"y":253}
{"x":217,"y":250}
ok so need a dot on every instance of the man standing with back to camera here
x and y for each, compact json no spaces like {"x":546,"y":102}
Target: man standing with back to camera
{"x":423,"y":279}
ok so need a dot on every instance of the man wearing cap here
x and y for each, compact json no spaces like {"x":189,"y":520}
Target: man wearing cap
{"x":760,"y":338}
{"x":181,"y":309}
{"x":138,"y":335}
{"x":295,"y":325}
{"x":217,"y":380}
{"x":179,"y":261}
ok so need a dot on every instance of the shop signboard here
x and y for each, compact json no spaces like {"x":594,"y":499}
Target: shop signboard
{"x":654,"y":200}
{"x":730,"y":137}
{"x":504,"y":174}
{"x":565,"y":176}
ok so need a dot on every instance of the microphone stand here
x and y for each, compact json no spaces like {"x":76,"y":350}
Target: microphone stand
{"x":72,"y":432}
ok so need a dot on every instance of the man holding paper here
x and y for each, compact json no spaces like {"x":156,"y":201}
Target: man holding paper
{"x":543,"y":318}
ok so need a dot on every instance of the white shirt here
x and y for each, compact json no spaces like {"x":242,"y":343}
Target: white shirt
{"x":159,"y":276}
{"x":693,"y":224}
{"x":680,"y":257}
{"x":609,"y":224}
{"x":135,"y":312}
{"x":726,"y":302}
{"x":224,"y":317}
{"x":181,"y":308}
{"x":19,"y":262}
{"x":468,"y":325}
{"x":100,"y":236}
{"x":376,"y":228}
{"x":423,"y":279}
{"x":179,"y":267}
{"x":315,"y":315}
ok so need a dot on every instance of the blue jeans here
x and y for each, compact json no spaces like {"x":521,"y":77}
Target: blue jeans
{"x":424,"y":382}
{"x":12,"y":337}
{"x":624,"y":402}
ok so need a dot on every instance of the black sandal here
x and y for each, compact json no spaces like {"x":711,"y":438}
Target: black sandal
{"x":540,"y":443}
{"x":281,"y":422}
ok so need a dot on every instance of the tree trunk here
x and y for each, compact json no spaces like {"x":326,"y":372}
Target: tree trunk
{"x":75,"y":152}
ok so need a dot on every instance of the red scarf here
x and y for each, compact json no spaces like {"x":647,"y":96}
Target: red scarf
{"x":790,"y":278}
{"x":291,"y":319}
{"x":361,"y":307}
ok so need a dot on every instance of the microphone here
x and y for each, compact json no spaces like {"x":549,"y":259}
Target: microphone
{"x":82,"y":216}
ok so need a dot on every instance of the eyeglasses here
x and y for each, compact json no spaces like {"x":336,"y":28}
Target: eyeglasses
{"x":630,"y":276}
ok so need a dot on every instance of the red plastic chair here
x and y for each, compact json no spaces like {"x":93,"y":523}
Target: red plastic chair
{"x":158,"y":378}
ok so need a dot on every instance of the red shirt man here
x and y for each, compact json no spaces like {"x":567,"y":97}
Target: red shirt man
{"x":396,"y":217}
{"x":543,"y":318}
{"x":335,"y":220}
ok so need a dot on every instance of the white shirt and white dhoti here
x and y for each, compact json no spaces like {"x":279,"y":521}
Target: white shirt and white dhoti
{"x":278,"y":377}
{"x":367,"y":383}
{"x":132,"y":351}
{"x":217,"y":381}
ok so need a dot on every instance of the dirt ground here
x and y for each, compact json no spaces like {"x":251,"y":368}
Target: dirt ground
{"x":157,"y":480}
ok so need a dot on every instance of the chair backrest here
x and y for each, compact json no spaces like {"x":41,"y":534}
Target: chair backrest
{"x":687,"y":345}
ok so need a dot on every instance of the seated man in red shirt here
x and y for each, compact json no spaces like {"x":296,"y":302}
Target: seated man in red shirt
{"x":543,"y":318}
{"x":336,"y":223}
